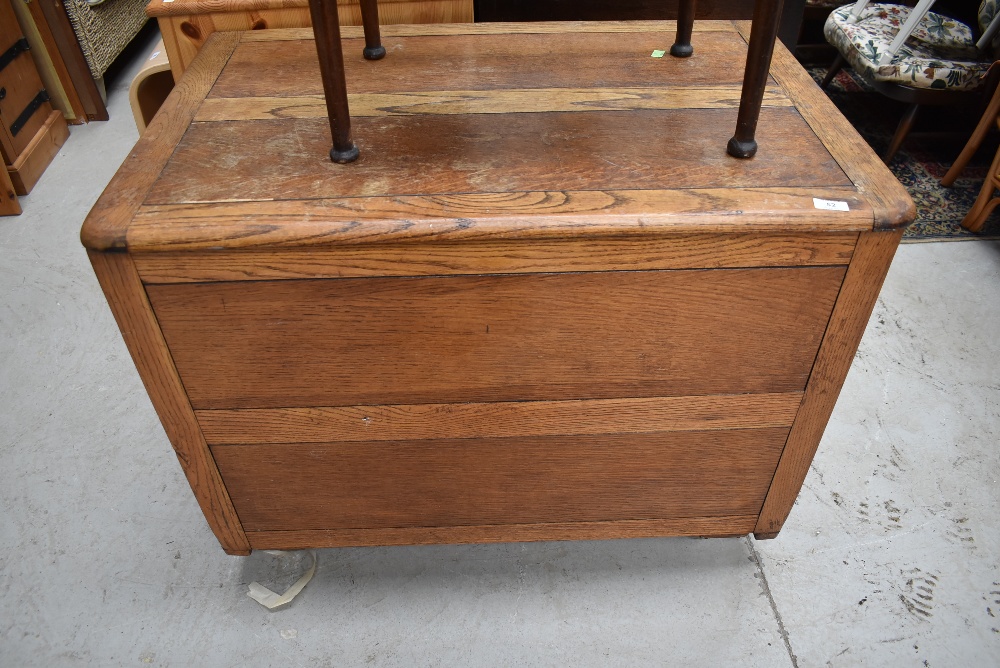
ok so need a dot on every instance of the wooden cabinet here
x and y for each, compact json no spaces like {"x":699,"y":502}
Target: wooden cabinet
{"x":186,"y":24}
{"x":543,"y":304}
{"x":31,"y":131}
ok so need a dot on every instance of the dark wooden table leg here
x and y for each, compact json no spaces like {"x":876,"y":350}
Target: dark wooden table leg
{"x":326,"y":28}
{"x":373,"y":40}
{"x":685,"y":24}
{"x":766,"y":15}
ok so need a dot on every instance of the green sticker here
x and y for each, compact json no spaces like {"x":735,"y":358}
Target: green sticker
{"x":658,"y":53}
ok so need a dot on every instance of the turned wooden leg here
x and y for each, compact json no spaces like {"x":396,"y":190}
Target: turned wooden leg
{"x":903,"y":129}
{"x":326,"y":27}
{"x":838,"y":64}
{"x":685,"y":24}
{"x":987,"y":121}
{"x":986,"y":202}
{"x":373,"y":40}
{"x":766,"y":15}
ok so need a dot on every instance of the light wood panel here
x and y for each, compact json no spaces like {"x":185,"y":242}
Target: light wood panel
{"x":445,"y":482}
{"x":273,"y":344}
{"x":498,"y":420}
{"x":847,"y":325}
{"x":135,"y":319}
{"x":702,"y":251}
{"x":186,"y":25}
{"x":532,"y":100}
{"x":484,"y":62}
{"x":499,"y":28}
{"x":502,"y":533}
{"x":589,"y":216}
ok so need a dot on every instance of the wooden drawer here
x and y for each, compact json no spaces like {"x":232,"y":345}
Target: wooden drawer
{"x":529,"y":480}
{"x":343,"y":342}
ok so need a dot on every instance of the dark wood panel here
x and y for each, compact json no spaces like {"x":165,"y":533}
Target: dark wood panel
{"x":485,"y":153}
{"x":495,"y":338}
{"x":732,"y":525}
{"x":485,"y":62}
{"x":500,"y":481}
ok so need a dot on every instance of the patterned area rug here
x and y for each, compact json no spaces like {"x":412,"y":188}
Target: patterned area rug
{"x":920,"y":163}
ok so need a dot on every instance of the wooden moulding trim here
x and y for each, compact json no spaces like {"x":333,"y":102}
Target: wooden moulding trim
{"x":633,"y":214}
{"x":892,"y":205}
{"x":503,"y":101}
{"x":498,"y":420}
{"x":106,"y":225}
{"x":158,"y":8}
{"x":857,"y":298}
{"x":724,"y":526}
{"x":540,"y":27}
{"x":144,"y":340}
{"x":705,"y":251}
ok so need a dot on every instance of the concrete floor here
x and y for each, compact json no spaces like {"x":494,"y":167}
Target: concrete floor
{"x":890,"y":557}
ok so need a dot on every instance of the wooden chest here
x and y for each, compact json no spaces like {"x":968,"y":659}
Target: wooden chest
{"x":544,"y":304}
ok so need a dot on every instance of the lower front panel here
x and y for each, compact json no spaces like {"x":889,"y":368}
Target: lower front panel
{"x":508,"y":481}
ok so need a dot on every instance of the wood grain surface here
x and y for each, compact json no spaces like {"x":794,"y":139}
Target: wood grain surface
{"x":498,"y":420}
{"x":508,"y":101}
{"x":270,"y":344}
{"x":486,"y":153}
{"x":700,"y":251}
{"x":893,"y":206}
{"x":185,"y":26}
{"x":847,"y":325}
{"x":484,"y":62}
{"x":125,"y":295}
{"x":107,"y":222}
{"x":499,"y":28}
{"x":525,"y":216}
{"x":158,"y":8}
{"x":715,"y":527}
{"x":453,"y":482}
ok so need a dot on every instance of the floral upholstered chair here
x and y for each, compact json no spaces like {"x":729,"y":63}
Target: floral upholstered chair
{"x":939,"y":63}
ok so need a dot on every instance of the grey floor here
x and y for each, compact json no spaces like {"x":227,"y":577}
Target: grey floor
{"x":890,"y":557}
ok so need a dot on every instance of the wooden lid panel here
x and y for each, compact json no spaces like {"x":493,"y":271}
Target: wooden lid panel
{"x":488,"y":153}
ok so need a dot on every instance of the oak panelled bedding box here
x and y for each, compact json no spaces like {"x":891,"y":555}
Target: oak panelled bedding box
{"x":544,"y":303}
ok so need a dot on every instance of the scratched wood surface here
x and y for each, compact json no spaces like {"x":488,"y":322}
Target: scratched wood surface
{"x":548,"y":130}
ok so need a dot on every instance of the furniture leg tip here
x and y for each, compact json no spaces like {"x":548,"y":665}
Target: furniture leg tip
{"x":346,"y":156}
{"x":374,"y":52}
{"x":741,"y":149}
{"x":681,"y":50}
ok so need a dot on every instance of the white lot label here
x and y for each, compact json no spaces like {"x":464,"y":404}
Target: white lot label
{"x":830,"y":204}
